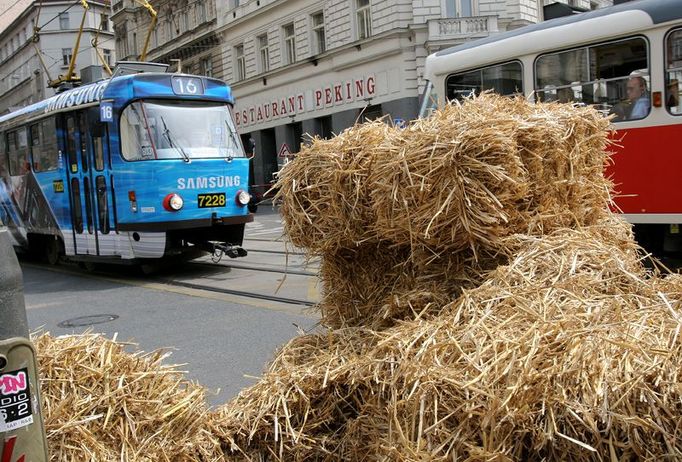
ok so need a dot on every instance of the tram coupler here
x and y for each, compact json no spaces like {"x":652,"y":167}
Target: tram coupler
{"x":232,"y":251}
{"x":22,"y":432}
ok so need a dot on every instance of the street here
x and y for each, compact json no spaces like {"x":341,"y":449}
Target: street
{"x":222,"y":323}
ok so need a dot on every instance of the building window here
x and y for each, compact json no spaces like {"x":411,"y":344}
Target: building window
{"x":104,"y":21}
{"x":201,"y":13}
{"x":263,"y":53}
{"x":289,"y":44}
{"x":318,"y":33}
{"x":122,"y":41}
{"x":206,"y":66}
{"x":66,"y":56}
{"x":134,"y":44}
{"x":107,"y":57}
{"x":63,"y":21}
{"x":458,"y":8}
{"x":241,"y":62}
{"x":184,"y":25}
{"x":364,"y":18}
{"x":233,"y":4}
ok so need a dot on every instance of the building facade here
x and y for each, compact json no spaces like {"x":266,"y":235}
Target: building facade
{"x":184,"y":37}
{"x":28,"y":61}
{"x":315,"y":67}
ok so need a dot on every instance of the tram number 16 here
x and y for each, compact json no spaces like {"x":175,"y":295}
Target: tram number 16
{"x":106,"y":112}
{"x":187,"y":86}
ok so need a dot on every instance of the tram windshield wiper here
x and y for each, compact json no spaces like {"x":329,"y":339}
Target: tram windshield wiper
{"x":175,"y":145}
{"x":233,"y":135}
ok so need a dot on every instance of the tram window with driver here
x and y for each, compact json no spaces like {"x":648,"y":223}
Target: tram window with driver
{"x":614,"y":77}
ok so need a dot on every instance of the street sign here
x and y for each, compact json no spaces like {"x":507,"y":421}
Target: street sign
{"x":284,"y":151}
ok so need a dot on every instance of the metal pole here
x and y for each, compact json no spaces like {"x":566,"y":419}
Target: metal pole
{"x":13,"y":322}
{"x":22,"y":432}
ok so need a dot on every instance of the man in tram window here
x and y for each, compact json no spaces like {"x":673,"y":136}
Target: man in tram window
{"x":638,"y":97}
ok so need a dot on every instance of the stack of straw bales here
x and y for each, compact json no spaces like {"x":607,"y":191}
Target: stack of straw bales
{"x":482,"y":305}
{"x":428,"y":208}
{"x":482,"y":302}
{"x":102,"y":403}
{"x":570,"y":352}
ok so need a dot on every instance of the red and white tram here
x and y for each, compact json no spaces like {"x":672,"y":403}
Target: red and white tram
{"x":625,"y":60}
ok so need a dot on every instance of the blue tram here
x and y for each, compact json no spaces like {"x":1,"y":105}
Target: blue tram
{"x":133,"y":169}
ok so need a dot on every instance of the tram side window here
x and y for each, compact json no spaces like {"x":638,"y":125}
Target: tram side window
{"x":44,"y":145}
{"x":17,"y":152}
{"x":504,"y":79}
{"x":614,"y":77}
{"x":673,"y":78}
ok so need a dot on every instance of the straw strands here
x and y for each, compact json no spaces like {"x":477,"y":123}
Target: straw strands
{"x":102,"y":403}
{"x":488,"y":308}
{"x":571,"y":352}
{"x":482,"y":305}
{"x":463,"y":178}
{"x":323,"y":193}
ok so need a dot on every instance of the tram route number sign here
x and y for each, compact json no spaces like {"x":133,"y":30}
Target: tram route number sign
{"x":106,"y":112}
{"x":284,"y":151}
{"x":190,"y":86}
{"x":15,"y":400}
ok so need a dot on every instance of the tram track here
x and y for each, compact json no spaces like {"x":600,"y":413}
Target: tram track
{"x":277,"y":252}
{"x":238,"y":293}
{"x":253,"y":268}
{"x":161,"y":281}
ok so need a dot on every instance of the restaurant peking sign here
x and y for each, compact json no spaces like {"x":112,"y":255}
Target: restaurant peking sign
{"x":289,"y":105}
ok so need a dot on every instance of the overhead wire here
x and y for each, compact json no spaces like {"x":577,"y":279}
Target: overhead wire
{"x":56,"y":60}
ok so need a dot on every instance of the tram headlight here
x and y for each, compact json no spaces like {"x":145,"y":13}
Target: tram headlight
{"x":243,"y":197}
{"x":173,"y":202}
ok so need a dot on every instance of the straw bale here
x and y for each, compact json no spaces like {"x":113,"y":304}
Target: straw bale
{"x":102,"y":403}
{"x":472,"y":174}
{"x":323,"y":191}
{"x":572,"y":351}
{"x":376,"y":285}
{"x":452,"y":179}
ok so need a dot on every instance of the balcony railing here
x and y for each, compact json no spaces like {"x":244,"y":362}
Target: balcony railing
{"x":462,"y":28}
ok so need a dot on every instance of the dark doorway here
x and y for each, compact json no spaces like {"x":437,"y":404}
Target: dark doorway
{"x":323,"y":127}
{"x":248,"y":143}
{"x":268,"y":150}
{"x":295,"y":134}
{"x":370,"y":113}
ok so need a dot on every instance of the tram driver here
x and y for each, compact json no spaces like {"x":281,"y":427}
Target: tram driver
{"x":637,"y":105}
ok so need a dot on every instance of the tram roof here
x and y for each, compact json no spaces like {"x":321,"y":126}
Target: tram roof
{"x":659,"y":11}
{"x":614,"y":21}
{"x":92,"y":93}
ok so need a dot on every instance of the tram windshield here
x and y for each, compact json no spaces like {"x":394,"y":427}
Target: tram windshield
{"x":178,"y":130}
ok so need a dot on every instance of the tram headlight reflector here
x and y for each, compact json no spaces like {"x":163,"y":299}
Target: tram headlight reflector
{"x":243,"y":197}
{"x":173,"y":202}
